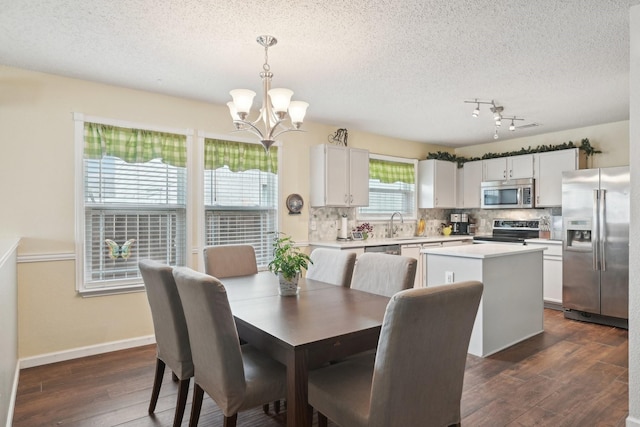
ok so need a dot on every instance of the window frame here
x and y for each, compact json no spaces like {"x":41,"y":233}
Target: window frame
{"x":131,"y":285}
{"x":414,"y":215}
{"x":198,"y":187}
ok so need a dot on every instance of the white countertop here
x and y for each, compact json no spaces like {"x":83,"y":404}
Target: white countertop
{"x":488,"y":250}
{"x":349,"y":244}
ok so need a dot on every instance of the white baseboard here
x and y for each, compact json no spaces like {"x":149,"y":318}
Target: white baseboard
{"x":14,"y":393}
{"x":75,"y":353}
{"x":633,"y":422}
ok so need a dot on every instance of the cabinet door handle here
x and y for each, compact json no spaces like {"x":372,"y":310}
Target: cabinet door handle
{"x":351,"y":198}
{"x":511,"y":173}
{"x":504,"y":174}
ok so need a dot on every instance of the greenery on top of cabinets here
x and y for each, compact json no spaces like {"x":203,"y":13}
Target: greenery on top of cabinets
{"x":585,"y":146}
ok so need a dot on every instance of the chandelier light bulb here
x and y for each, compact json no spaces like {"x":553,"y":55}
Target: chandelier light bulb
{"x":499,"y":122}
{"x":512,"y":127}
{"x":476,"y":112}
{"x":495,"y":135}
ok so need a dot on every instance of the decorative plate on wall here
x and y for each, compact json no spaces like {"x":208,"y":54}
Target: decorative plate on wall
{"x":294,"y":203}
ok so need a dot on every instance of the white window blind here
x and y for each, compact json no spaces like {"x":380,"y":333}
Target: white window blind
{"x":140,"y":203}
{"x":241,"y":208}
{"x":387,"y":198}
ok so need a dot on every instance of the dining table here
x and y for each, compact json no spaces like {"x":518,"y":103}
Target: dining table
{"x":322,"y":323}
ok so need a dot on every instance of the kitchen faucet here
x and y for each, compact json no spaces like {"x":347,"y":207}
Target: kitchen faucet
{"x":391,"y":231}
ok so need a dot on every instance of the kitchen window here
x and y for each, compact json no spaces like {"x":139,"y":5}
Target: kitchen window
{"x":392,"y":188}
{"x":133,"y":194}
{"x":241,"y":195}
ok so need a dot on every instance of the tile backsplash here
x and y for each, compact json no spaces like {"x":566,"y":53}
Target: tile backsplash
{"x":324,"y":223}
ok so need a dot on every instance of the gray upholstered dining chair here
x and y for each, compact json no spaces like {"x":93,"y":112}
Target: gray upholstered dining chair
{"x":236,"y":377}
{"x":383,"y":274}
{"x":230,"y":261}
{"x":170,"y":327}
{"x":332,"y":266}
{"x":415,"y":378}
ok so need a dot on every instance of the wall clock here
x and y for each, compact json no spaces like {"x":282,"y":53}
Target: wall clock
{"x":294,"y":203}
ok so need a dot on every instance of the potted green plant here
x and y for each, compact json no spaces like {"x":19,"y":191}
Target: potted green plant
{"x":288,"y":261}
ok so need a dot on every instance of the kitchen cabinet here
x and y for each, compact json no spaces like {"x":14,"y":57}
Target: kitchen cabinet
{"x":552,"y":271}
{"x":548,"y":175}
{"x":472,"y":175}
{"x":413,"y":251}
{"x":339,"y":176}
{"x":513,"y":167}
{"x":437,"y":184}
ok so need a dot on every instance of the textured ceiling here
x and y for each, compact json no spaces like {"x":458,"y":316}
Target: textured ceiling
{"x":400,"y":68}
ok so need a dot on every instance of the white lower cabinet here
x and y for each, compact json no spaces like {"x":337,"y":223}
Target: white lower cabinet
{"x":552,"y":271}
{"x":413,"y":251}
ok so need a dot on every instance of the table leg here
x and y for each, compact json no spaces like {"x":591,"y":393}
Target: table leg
{"x":298,"y":409}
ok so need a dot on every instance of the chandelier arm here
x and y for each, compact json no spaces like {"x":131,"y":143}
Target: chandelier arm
{"x":250,"y":128}
{"x":285,"y":131}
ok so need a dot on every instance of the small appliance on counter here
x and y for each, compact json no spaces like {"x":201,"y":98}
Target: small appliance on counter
{"x":460,"y":223}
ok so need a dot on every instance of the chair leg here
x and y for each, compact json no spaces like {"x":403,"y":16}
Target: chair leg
{"x":276,"y":406}
{"x":157,"y":383}
{"x":174,"y":377}
{"x":196,"y":405}
{"x":322,"y":420}
{"x":231,"y":421}
{"x":265,"y":408}
{"x":183,"y":390}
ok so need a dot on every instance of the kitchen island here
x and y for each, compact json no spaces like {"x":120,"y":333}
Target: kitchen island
{"x":511,"y":309}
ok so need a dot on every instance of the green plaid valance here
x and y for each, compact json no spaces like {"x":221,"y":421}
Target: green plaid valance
{"x":239,"y":156}
{"x":134,"y":145}
{"x":390,"y":172}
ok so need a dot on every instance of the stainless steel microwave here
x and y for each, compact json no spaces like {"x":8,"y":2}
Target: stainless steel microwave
{"x":513,"y":194}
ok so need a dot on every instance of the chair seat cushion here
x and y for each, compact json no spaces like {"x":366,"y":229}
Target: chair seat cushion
{"x":266,"y":378}
{"x":342,"y":391}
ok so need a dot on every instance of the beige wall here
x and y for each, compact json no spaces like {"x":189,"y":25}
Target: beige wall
{"x":37,"y":193}
{"x":611,"y":138}
{"x":37,"y":196}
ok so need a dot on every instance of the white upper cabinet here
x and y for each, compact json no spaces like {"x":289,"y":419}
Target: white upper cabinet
{"x":549,"y":168}
{"x":502,"y":168}
{"x":472,"y":173}
{"x":339,"y":176}
{"x":437,"y":184}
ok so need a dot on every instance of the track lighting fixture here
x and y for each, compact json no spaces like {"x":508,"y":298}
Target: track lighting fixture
{"x":497,"y":111}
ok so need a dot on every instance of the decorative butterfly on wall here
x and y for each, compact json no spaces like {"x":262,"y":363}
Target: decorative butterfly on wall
{"x":116,"y":251}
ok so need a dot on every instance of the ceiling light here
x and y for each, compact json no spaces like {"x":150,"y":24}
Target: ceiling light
{"x":275,"y":105}
{"x":512,"y":126}
{"x":497,"y":111}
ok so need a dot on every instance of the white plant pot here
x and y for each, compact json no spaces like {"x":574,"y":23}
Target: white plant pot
{"x":288,"y":287}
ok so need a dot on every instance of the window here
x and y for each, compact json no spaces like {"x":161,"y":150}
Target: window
{"x":134,"y":186}
{"x":392,"y":188}
{"x":241,"y":195}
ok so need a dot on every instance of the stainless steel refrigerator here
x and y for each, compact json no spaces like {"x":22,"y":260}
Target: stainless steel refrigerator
{"x":595,"y":247}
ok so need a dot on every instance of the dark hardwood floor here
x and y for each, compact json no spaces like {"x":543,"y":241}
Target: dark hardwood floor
{"x":574,"y":374}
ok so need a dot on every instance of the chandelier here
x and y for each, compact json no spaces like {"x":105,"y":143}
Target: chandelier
{"x":270,"y":122}
{"x":497,"y":115}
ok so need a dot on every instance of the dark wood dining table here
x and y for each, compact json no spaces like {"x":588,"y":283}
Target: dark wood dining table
{"x":322,"y":323}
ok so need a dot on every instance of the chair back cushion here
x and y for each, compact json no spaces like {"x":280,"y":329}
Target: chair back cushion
{"x":421,"y":356}
{"x":230,"y":261}
{"x":383,"y":274}
{"x":214,"y":339}
{"x":332,"y":266}
{"x":169,"y":323}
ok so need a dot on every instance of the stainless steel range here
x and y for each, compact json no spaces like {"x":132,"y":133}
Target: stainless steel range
{"x":511,"y":231}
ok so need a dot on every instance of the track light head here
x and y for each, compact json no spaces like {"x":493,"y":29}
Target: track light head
{"x":512,"y":126}
{"x":476,"y":112}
